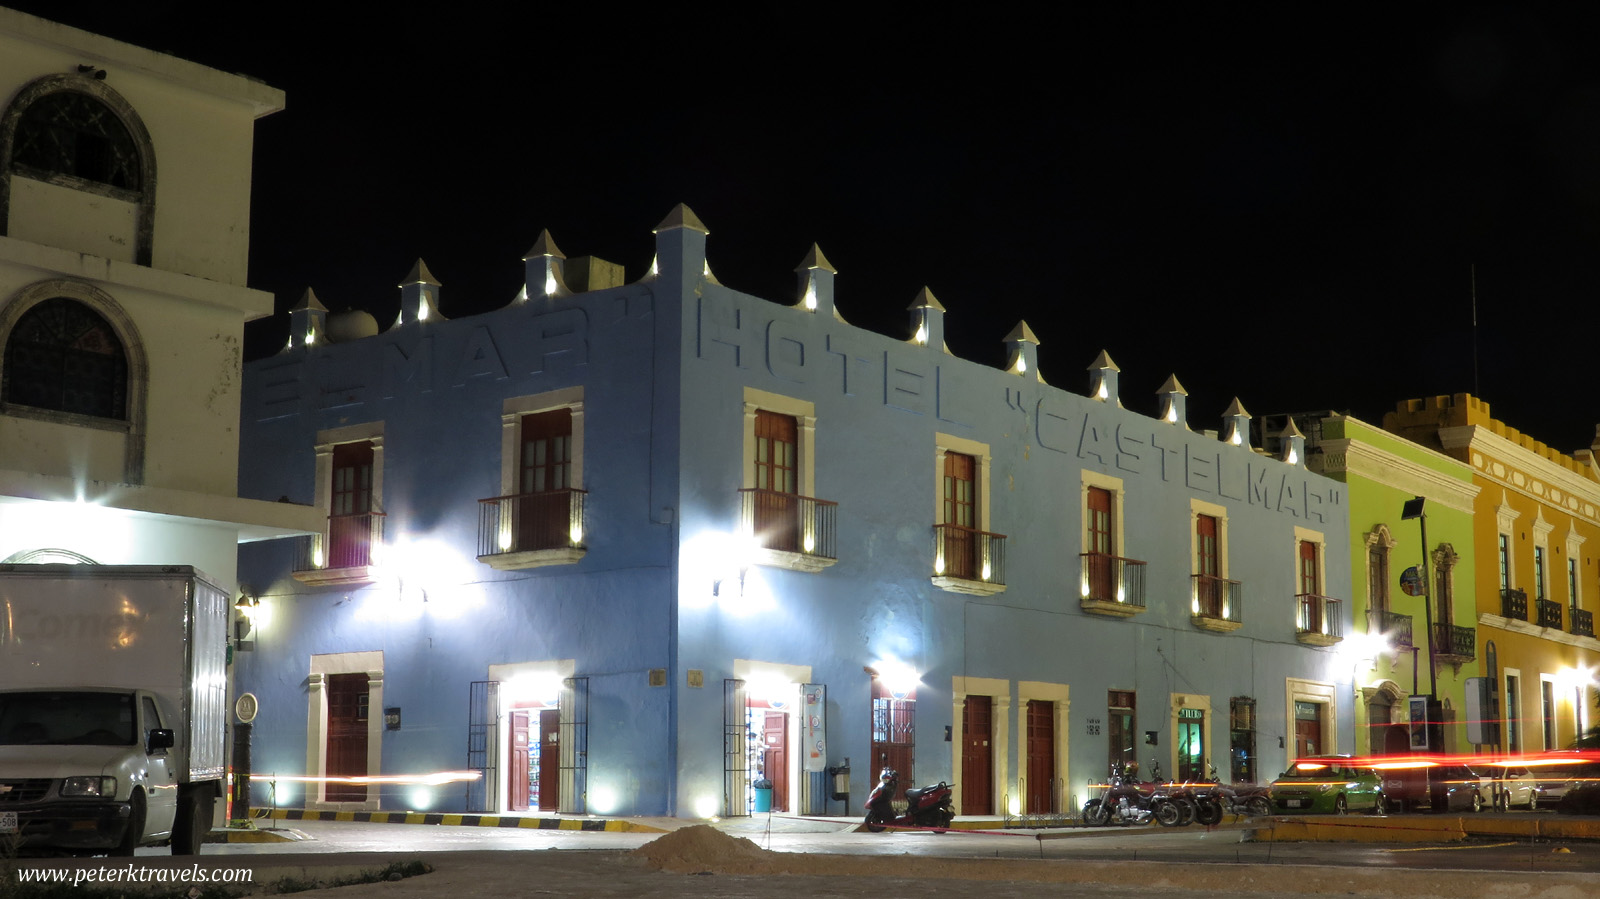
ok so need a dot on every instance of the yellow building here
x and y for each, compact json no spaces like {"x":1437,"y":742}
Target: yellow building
{"x":1536,"y":526}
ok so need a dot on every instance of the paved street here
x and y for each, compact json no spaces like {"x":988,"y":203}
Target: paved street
{"x":826,"y":859}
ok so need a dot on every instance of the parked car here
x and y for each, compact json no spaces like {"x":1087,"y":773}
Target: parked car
{"x":1329,"y":784}
{"x":1508,"y":786}
{"x":1456,"y":788}
{"x":1556,"y":779}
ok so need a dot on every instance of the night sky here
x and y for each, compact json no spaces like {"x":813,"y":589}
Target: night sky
{"x":1280,"y":202}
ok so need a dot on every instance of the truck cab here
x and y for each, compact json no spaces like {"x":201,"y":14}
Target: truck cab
{"x":87,"y":770}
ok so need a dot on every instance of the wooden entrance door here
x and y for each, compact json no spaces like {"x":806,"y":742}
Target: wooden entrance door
{"x":1041,"y":757}
{"x":775,"y":757}
{"x":549,"y":760}
{"x":977,"y":756}
{"x":521,"y":774}
{"x":347,"y":736}
{"x":1307,"y":729}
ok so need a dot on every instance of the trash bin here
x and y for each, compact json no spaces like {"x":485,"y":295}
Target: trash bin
{"x":763,"y":790}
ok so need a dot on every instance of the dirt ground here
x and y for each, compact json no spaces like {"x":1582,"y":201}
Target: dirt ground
{"x":702,"y":861}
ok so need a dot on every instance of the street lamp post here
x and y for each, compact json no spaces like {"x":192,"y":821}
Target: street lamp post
{"x":1413,"y":509}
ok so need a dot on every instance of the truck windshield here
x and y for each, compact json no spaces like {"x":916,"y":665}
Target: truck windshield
{"x":67,"y":718}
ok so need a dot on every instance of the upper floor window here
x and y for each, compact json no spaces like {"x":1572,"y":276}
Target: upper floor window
{"x":1110,"y":584}
{"x":1538,"y":572}
{"x":538,"y":518}
{"x":349,"y":485}
{"x":63,"y":356}
{"x":74,"y":134}
{"x":1504,"y":553}
{"x":966,"y":557}
{"x":778,"y":508}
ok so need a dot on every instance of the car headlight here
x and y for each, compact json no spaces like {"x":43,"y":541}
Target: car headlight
{"x":1323,"y":788}
{"x":89,"y":786}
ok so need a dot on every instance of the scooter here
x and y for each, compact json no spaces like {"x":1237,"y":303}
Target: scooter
{"x":926,"y":807}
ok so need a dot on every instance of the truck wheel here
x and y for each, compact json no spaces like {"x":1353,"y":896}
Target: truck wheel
{"x":135,"y":831}
{"x":189,"y":831}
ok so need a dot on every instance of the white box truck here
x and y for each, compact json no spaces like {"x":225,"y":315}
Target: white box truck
{"x":113,"y":707}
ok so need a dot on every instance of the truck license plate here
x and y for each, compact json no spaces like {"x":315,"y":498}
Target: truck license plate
{"x":8,"y":822}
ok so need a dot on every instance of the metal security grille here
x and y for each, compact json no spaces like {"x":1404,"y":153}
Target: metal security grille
{"x":483,"y":698}
{"x":575,"y":745}
{"x":735,"y":749}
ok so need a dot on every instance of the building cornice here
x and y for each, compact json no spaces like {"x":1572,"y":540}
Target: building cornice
{"x":1357,"y":457}
{"x":1522,"y":471}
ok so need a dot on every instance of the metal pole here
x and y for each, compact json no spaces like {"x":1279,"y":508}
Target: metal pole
{"x":1427,"y":608}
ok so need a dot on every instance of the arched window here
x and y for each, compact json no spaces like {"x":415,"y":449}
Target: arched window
{"x":69,"y":133}
{"x":73,"y":131}
{"x":64,"y":356}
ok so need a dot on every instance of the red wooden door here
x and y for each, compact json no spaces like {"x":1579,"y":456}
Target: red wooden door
{"x":1041,"y":757}
{"x":1208,"y":566}
{"x":549,"y":760}
{"x":1309,"y":581}
{"x":347,"y":736}
{"x":1307,"y":735}
{"x":977,"y":756}
{"x":960,"y":516}
{"x":777,"y":507}
{"x":775,"y":757}
{"x":544,"y":517}
{"x":520,"y":772}
{"x":1101,"y":582}
{"x":350,"y":507}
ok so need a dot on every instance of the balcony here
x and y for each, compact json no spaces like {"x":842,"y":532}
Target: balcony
{"x":1319,"y":622}
{"x":344,"y":555}
{"x":1582,"y":623}
{"x":1454,"y":644}
{"x":969,"y":561}
{"x":791,"y":531}
{"x":1549,"y":613}
{"x":1395,"y":627}
{"x":531,"y":530}
{"x":1112,"y":585}
{"x":1216,"y":604}
{"x":1514,"y":604}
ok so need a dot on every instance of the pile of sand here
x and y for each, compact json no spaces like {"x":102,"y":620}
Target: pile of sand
{"x":701,"y":847}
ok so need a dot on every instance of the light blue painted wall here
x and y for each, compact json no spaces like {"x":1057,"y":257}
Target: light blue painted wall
{"x":664,"y":365}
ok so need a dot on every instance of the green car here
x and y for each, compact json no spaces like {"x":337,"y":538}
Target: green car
{"x":1328,"y":784}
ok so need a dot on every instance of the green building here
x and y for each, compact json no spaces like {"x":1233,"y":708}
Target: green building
{"x":1389,"y":651}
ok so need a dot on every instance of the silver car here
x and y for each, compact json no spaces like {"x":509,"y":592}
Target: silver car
{"x":1508,"y":786}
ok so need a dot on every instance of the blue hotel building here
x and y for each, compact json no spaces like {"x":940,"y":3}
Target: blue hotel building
{"x":630,"y":548}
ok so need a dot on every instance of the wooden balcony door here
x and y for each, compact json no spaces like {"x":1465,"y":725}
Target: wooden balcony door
{"x":544,"y":513}
{"x":961,"y":510}
{"x":1102,"y":572}
{"x":1311,"y":585}
{"x":350,"y":506}
{"x":1208,"y":564}
{"x":777,"y":506}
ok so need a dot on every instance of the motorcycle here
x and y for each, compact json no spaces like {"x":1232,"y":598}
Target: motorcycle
{"x":1214,"y":799}
{"x":1127,"y":801}
{"x":926,"y":807}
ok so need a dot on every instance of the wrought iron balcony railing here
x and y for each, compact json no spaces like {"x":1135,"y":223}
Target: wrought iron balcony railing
{"x":531,"y":522}
{"x":1216,"y":599}
{"x":1396,"y":627}
{"x":350,"y":545}
{"x":1549,"y":613}
{"x":1514,"y":603}
{"x":1319,"y":619}
{"x":790,"y":523}
{"x":968,"y":554}
{"x":1450,"y":640}
{"x":1582,"y":622}
{"x":1112,"y":579}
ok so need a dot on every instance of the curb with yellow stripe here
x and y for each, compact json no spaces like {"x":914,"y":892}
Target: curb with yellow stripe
{"x":611,"y":825}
